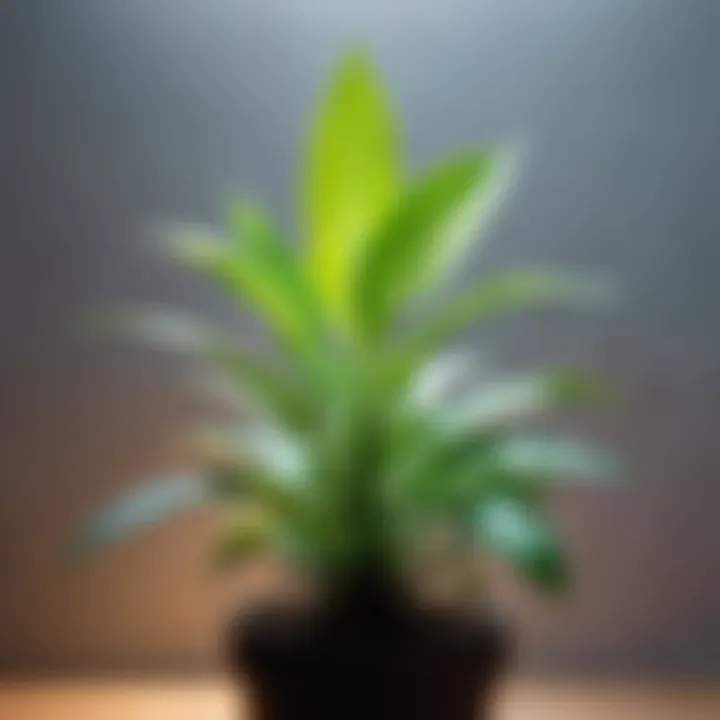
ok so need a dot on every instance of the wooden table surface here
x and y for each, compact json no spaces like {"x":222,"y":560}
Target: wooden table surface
{"x":214,"y":700}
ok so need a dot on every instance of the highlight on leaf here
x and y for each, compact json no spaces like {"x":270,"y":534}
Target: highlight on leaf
{"x":426,"y":235}
{"x":140,"y":509}
{"x":352,"y":178}
{"x":511,"y":531}
{"x":506,"y":400}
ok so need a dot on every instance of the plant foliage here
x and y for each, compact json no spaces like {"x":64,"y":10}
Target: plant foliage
{"x":360,"y":439}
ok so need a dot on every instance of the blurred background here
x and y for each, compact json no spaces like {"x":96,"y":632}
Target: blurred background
{"x":115,"y":115}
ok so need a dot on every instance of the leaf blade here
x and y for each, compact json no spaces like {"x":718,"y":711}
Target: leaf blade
{"x":556,"y":460}
{"x":275,"y":391}
{"x":519,"y":536}
{"x":428,"y":231}
{"x":513,"y":291}
{"x":258,"y":268}
{"x":142,"y":508}
{"x":352,"y":177}
{"x":270,"y":275}
{"x":503,"y":401}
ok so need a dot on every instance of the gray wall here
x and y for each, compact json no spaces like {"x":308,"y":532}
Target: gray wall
{"x":116,"y":114}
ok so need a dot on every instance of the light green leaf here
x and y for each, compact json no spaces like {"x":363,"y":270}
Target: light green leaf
{"x":513,"y":532}
{"x":168,"y":330}
{"x":258,"y":268}
{"x":511,"y":292}
{"x":442,"y":377}
{"x":196,"y":246}
{"x":270,"y":275}
{"x":352,"y":177}
{"x":556,"y":459}
{"x":281,"y":454}
{"x":515,"y":397}
{"x":266,"y":447}
{"x":273,"y":390}
{"x":142,"y":508}
{"x":427,"y":233}
{"x":444,"y":474}
{"x":253,"y":487}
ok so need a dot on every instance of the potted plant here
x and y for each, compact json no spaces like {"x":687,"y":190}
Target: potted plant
{"x":370,"y":446}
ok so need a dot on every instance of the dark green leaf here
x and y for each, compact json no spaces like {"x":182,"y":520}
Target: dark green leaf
{"x":515,"y":533}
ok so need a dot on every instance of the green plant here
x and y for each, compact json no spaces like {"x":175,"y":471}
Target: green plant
{"x":364,"y":434}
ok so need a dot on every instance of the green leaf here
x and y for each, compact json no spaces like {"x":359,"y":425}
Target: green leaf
{"x":447,"y":474}
{"x":451,"y":474}
{"x":169,"y":331}
{"x":197,"y":247}
{"x":516,"y":397}
{"x":430,"y":229}
{"x":352,"y":177}
{"x":265,"y":447}
{"x":520,"y":537}
{"x":242,"y":541}
{"x":253,"y":486}
{"x":554,"y":460}
{"x":270,"y":274}
{"x":142,"y":508}
{"x":518,"y":290}
{"x":277,"y":451}
{"x":259,"y":268}
{"x":273,"y":390}
{"x":442,"y":377}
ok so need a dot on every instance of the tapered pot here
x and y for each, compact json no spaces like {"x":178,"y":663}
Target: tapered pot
{"x":367,"y":660}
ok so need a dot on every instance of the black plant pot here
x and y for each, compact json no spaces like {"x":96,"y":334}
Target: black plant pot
{"x":367,"y":660}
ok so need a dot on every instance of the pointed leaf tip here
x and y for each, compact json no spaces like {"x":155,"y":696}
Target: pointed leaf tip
{"x":426,"y":235}
{"x":352,"y":177}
